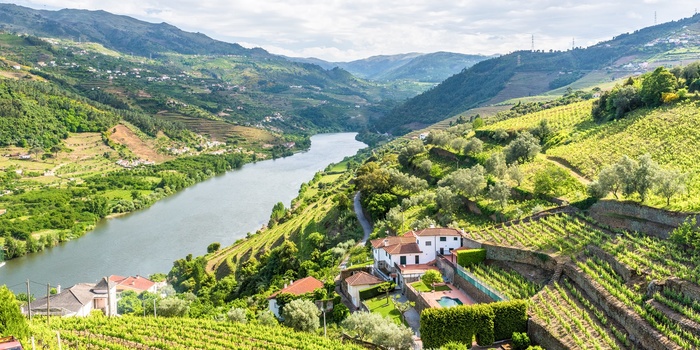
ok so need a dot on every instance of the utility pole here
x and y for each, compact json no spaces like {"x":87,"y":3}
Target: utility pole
{"x":29,"y":301}
{"x":533,"y":43}
{"x":154,"y":308}
{"x":654,"y":17}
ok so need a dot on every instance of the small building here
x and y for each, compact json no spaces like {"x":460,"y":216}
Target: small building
{"x":78,"y":300}
{"x":419,"y":247}
{"x":298,"y":287}
{"x":359,"y":281}
{"x":137,"y":284}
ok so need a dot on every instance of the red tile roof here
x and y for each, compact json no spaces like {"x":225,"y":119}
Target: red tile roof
{"x":397,"y":244}
{"x":362,"y":279}
{"x":299,"y":287}
{"x":438,"y":231}
{"x":137,"y":284}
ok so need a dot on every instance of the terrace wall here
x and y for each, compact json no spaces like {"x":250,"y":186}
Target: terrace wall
{"x":618,"y":267}
{"x":635,"y":217}
{"x":640,"y":332}
{"x":539,"y":335}
{"x":413,"y":295}
{"x":449,"y":269}
{"x":518,"y":255}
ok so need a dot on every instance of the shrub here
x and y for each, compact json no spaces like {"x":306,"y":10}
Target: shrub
{"x":372,"y":292}
{"x":12,"y":322}
{"x":509,"y":317}
{"x":237,"y":315}
{"x":453,"y":345}
{"x":302,"y":315}
{"x":466,"y":258}
{"x":520,"y":341}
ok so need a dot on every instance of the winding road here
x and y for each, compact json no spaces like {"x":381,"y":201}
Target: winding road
{"x":366,"y":226}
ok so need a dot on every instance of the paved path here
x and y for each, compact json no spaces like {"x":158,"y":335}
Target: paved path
{"x":366,"y":226}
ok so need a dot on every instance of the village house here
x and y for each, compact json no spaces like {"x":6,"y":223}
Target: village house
{"x":415,"y":251}
{"x":78,"y":300}
{"x":358,"y":281}
{"x":298,"y":287}
{"x":137,"y":284}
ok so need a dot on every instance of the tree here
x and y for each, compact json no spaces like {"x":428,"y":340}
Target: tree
{"x":430,"y":277}
{"x":402,"y":307}
{"x":213,"y":247}
{"x":425,"y":166}
{"x":550,"y":180}
{"x":129,"y":303}
{"x":624,"y":99}
{"x":473,"y":146}
{"x":496,"y":165}
{"x":468,"y":182}
{"x":267,"y":318}
{"x":446,"y":200}
{"x":12,"y":322}
{"x":655,"y":84}
{"x":669,"y":183}
{"x":458,"y":144}
{"x":172,"y":307}
{"x":524,"y":148}
{"x":515,"y":174}
{"x":542,"y":131}
{"x":379,"y":330}
{"x":302,"y":315}
{"x":237,"y":315}
{"x":500,"y":192}
{"x":645,"y":176}
{"x":625,"y":170}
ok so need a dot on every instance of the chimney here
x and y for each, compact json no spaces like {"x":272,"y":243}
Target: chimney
{"x":432,"y":226}
{"x":285,"y":285}
{"x":290,"y":283}
{"x":386,"y":241}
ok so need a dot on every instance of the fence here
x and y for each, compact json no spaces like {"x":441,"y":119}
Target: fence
{"x":476,"y":282}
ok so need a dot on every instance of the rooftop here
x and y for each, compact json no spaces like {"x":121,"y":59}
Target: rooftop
{"x":362,"y":278}
{"x":137,"y":283}
{"x":299,"y":287}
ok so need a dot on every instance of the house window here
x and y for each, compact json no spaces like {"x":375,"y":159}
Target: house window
{"x":428,"y":243}
{"x":417,"y":259}
{"x":402,"y":260}
{"x":443,"y":239}
{"x":455,"y":238}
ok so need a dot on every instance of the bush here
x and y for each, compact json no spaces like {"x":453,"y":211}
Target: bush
{"x":237,"y":315}
{"x":466,"y":258}
{"x":372,"y":292}
{"x":520,"y":341}
{"x":509,"y":317}
{"x":302,"y":315}
{"x":453,"y":345}
{"x":488,"y":322}
{"x":12,"y":322}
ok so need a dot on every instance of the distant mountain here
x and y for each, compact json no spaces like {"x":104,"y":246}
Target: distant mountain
{"x":120,"y":33}
{"x":525,"y":73}
{"x":432,"y":67}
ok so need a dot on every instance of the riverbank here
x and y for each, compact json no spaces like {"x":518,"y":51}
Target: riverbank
{"x":222,"y":209}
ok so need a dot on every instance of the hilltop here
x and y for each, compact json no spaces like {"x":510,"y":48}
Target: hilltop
{"x":527,"y":73}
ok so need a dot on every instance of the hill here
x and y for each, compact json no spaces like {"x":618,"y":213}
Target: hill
{"x":120,"y":33}
{"x":429,"y":68}
{"x":489,"y":81}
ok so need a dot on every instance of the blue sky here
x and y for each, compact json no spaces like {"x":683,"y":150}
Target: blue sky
{"x":340,"y":30}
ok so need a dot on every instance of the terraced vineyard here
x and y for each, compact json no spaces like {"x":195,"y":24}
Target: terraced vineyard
{"x":512,"y":284}
{"x":571,"y":318}
{"x":130,"y":332}
{"x":560,"y":118}
{"x":559,"y":234}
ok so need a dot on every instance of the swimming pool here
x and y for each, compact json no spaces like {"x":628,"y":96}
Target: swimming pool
{"x":449,"y":302}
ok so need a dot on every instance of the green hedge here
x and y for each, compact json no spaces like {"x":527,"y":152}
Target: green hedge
{"x":488,"y":322}
{"x":372,"y":292}
{"x":466,"y":258}
{"x":459,"y":324}
{"x":510,"y":317}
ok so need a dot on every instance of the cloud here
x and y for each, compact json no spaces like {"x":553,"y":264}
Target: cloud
{"x":347,"y":30}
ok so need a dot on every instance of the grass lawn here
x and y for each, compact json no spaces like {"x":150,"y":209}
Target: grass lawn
{"x":380,"y":306}
{"x":421,"y":287}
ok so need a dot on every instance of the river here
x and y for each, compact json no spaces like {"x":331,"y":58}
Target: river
{"x":222,"y":209}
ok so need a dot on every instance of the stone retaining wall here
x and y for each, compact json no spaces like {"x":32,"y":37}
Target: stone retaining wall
{"x":477,"y":295}
{"x":618,"y":267}
{"x":632,"y":216}
{"x":640,"y":332}
{"x":539,"y":335}
{"x":413,"y":295}
{"x":518,"y":255}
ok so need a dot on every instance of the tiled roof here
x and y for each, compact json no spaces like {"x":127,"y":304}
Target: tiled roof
{"x":137,"y":283}
{"x":71,"y":299}
{"x":438,"y":231}
{"x":362,"y":279}
{"x":299,"y":287}
{"x":405,"y":244}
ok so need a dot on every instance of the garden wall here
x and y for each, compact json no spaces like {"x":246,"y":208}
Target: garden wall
{"x":413,"y":295}
{"x":449,"y":269}
{"x":635,"y":217}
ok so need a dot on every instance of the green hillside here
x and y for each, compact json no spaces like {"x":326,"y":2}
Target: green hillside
{"x":484,"y":81}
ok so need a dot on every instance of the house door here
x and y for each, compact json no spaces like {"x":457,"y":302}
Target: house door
{"x":442,"y":251}
{"x":402,"y":260}
{"x":417,"y":259}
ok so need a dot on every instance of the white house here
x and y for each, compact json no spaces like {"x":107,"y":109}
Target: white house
{"x":298,"y":287}
{"x":414,"y":248}
{"x":78,"y":300}
{"x":359,"y":281}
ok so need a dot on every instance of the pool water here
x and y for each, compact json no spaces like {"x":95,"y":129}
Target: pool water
{"x":449,"y":302}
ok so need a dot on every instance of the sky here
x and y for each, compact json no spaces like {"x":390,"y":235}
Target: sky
{"x":346,"y":30}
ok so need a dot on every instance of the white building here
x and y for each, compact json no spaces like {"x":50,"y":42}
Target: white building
{"x":298,"y":287}
{"x":360,"y":281}
{"x":78,"y":300}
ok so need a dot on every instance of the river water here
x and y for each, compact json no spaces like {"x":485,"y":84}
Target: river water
{"x":222,"y":209}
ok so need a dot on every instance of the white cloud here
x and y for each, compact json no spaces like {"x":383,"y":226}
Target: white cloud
{"x":346,"y":30}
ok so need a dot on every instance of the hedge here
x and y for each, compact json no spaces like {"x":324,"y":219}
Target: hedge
{"x":460,"y":324}
{"x":372,"y":292}
{"x":488,"y":322}
{"x":466,"y":258}
{"x":509,"y":317}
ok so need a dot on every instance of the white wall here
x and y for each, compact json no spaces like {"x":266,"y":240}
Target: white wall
{"x":272,"y":305}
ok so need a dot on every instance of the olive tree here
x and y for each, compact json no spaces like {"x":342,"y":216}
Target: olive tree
{"x":302,"y":315}
{"x":372,"y":327}
{"x":524,"y":148}
{"x":12,"y":322}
